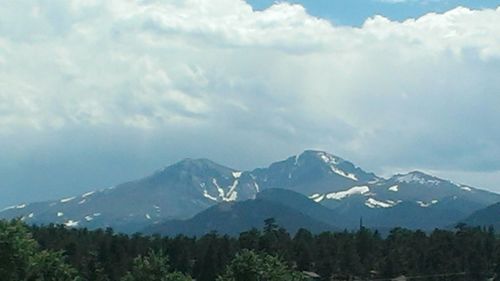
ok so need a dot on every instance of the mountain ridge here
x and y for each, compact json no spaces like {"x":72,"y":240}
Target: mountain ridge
{"x":190,"y":186}
{"x":489,"y":216}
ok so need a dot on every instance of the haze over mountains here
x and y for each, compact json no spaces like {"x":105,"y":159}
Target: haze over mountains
{"x":314,"y":190}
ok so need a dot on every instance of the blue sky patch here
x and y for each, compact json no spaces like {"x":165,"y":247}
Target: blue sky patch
{"x":355,"y":12}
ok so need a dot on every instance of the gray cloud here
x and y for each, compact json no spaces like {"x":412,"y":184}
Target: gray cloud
{"x":95,"y":92}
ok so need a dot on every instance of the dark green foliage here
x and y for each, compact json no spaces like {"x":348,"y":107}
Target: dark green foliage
{"x":250,"y":266}
{"x":48,"y":266}
{"x":213,"y":254}
{"x":303,"y":254}
{"x":153,"y":267}
{"x":40,"y":253}
{"x":22,"y":260}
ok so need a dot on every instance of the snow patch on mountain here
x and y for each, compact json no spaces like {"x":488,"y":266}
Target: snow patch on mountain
{"x":427,"y":204}
{"x":236,"y":175}
{"x":466,"y":188}
{"x":344,"y":174}
{"x":314,"y":196}
{"x":416,"y":177}
{"x":21,"y":206}
{"x":373,"y":203}
{"x":317,"y":197}
{"x":206,"y":195}
{"x":332,"y":161}
{"x":394,"y":188}
{"x":71,"y":223}
{"x":87,"y":194}
{"x":231,"y":195}
{"x":232,"y":191}
{"x":347,"y":193}
{"x":66,"y":200}
{"x":219,"y":189}
{"x":327,"y":158}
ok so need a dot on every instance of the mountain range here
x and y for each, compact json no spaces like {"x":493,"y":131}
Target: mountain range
{"x":320,"y":190}
{"x":235,"y":217}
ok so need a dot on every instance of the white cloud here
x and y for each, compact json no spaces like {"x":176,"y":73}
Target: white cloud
{"x":422,"y":92}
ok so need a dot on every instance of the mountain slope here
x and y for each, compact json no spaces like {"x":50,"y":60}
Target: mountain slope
{"x":300,"y":203}
{"x":348,"y":215}
{"x":176,"y":192}
{"x":236,"y":217}
{"x":489,"y":216}
{"x":311,"y":172}
{"x":413,"y":200}
{"x":417,"y":187}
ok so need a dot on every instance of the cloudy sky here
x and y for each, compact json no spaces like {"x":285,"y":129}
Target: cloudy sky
{"x":97,"y":92}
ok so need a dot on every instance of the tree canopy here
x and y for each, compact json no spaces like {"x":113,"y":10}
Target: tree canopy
{"x":56,"y":253}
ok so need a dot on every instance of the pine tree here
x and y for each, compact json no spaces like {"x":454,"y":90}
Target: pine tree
{"x":250,"y":266}
{"x":22,"y":260}
{"x":153,"y":267}
{"x":303,"y":252}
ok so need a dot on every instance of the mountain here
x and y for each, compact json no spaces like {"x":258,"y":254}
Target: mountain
{"x":232,"y":218}
{"x":177,"y":192}
{"x":423,"y":189}
{"x":311,"y":172}
{"x":413,"y":200}
{"x":301,"y":203}
{"x":407,"y":214}
{"x":489,"y":216}
{"x":184,"y":189}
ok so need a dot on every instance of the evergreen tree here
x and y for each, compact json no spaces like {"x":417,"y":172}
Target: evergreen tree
{"x":93,"y":269}
{"x":35,"y":254}
{"x":303,"y":249}
{"x":50,"y":266}
{"x":249,"y":239}
{"x":153,"y":267}
{"x":22,"y":260}
{"x":349,"y":259}
{"x":207,"y":267}
{"x":250,"y":266}
{"x":326,"y":261}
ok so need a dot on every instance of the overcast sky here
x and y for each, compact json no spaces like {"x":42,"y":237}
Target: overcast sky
{"x":97,"y":92}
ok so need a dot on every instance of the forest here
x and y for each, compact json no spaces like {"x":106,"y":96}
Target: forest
{"x":54,"y":252}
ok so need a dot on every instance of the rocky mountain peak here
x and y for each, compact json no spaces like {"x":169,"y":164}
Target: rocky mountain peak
{"x":418,"y":177}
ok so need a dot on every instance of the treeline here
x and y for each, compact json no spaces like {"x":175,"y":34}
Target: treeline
{"x":462,"y":254}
